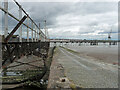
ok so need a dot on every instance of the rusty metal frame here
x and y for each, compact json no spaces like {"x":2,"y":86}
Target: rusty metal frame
{"x":15,"y":50}
{"x":15,"y":29}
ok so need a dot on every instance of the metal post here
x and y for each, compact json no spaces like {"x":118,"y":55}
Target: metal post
{"x":35,"y":33}
{"x":45,"y":30}
{"x":6,"y":18}
{"x":27,"y":30}
{"x":32,"y":32}
{"x":38,"y":34}
{"x":39,"y":31}
{"x":43,"y":37}
{"x":47,"y":35}
{"x":20,"y":28}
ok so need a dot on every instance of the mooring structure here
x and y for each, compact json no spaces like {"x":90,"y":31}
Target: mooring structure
{"x":15,"y":46}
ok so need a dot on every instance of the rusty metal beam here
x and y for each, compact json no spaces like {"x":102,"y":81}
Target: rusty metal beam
{"x":15,"y":29}
{"x":27,"y":15}
{"x":17,"y":19}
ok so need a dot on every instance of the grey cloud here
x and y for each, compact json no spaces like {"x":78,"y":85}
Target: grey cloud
{"x":95,"y":7}
{"x":46,"y":11}
{"x":101,"y":12}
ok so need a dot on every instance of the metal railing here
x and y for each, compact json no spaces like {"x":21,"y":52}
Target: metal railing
{"x":38,"y":34}
{"x":13,"y":50}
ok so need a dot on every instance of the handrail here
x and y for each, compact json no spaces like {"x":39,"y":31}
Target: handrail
{"x":16,"y":18}
{"x":31,"y":28}
{"x":25,"y":12}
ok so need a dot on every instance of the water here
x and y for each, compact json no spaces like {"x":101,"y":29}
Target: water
{"x":83,"y":44}
{"x":27,"y":88}
{"x":11,"y":73}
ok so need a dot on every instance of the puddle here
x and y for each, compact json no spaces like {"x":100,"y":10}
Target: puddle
{"x":43,"y":86}
{"x":26,"y":88}
{"x":11,"y":74}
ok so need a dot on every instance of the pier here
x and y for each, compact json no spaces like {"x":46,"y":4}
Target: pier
{"x":30,"y":59}
{"x":23,"y":59}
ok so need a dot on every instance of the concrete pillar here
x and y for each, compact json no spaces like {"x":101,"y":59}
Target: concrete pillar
{"x":109,"y":43}
{"x":20,"y":28}
{"x":6,"y":18}
{"x":27,"y":30}
{"x":35,"y":33}
{"x":32,"y":32}
{"x":91,"y":43}
{"x":39,"y":32}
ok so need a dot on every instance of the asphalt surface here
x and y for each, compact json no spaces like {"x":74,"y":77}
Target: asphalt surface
{"x":86,"y":72}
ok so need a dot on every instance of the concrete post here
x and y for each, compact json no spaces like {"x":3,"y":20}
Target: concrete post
{"x":20,"y":28}
{"x":45,"y":30}
{"x":6,"y":18}
{"x":27,"y":30}
{"x":32,"y":32}
{"x":35,"y":33}
{"x":39,"y":31}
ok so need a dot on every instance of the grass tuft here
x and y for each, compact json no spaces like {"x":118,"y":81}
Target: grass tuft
{"x":70,"y":50}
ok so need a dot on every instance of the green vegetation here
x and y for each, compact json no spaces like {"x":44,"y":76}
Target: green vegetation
{"x":72,"y":51}
{"x":25,"y":75}
{"x":73,"y":86}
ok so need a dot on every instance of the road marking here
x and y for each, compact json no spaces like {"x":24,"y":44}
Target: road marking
{"x":102,"y":65}
{"x":88,"y":68}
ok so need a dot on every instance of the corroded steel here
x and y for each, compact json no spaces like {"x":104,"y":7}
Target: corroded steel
{"x":15,"y":29}
{"x":15,"y":50}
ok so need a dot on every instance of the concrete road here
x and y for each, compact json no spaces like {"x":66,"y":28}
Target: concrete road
{"x":87,"y":72}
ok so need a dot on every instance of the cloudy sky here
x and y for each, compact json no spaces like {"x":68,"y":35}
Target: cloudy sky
{"x":80,"y":20}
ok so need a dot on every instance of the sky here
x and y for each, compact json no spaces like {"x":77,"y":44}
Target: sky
{"x":72,"y":20}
